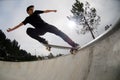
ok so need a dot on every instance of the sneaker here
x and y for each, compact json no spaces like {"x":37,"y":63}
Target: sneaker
{"x":76,"y":46}
{"x":45,"y":42}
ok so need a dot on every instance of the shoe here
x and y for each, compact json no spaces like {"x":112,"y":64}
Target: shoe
{"x":76,"y":46}
{"x":45,"y":42}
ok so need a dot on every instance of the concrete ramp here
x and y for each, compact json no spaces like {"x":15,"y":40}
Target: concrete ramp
{"x":99,"y":60}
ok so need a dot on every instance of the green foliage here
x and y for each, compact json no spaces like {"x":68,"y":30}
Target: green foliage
{"x":85,"y":16}
{"x":10,"y":50}
{"x":77,"y":7}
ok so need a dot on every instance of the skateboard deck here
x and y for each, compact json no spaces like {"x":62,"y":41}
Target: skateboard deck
{"x":57,"y":46}
{"x":72,"y":50}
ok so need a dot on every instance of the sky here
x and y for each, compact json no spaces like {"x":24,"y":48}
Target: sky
{"x":13,"y":12}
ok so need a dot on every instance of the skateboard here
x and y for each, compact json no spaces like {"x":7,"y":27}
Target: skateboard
{"x":72,"y":50}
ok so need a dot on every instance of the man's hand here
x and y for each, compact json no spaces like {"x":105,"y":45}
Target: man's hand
{"x":9,"y":30}
{"x":54,"y":10}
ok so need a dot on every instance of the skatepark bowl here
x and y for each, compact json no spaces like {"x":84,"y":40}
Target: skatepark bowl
{"x":98,"y":60}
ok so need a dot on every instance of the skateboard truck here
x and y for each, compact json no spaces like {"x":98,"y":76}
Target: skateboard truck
{"x":48,"y":47}
{"x":73,"y":50}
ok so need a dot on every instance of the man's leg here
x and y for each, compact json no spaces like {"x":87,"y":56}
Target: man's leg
{"x":56,"y":31}
{"x":34,"y":33}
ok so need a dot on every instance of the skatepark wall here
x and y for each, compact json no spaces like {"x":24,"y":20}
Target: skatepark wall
{"x":98,"y":60}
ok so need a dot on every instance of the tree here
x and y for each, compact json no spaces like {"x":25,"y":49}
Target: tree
{"x":10,"y":50}
{"x":50,"y":56}
{"x":107,"y":27}
{"x":86,"y":16}
{"x":2,"y":36}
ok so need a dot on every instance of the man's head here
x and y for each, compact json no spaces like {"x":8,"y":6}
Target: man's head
{"x":30,"y":9}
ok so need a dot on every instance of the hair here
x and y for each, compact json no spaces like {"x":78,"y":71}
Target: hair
{"x":31,"y":6}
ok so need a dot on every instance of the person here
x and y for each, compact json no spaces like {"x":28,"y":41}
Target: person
{"x":41,"y":27}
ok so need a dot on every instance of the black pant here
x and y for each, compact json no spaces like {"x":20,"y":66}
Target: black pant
{"x":36,"y":32}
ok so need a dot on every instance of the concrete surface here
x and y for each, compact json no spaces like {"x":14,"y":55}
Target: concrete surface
{"x":99,"y":60}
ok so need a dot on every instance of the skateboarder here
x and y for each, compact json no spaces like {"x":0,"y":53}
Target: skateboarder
{"x":41,"y":27}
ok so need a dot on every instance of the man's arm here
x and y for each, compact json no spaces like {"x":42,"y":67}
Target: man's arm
{"x":47,"y":11}
{"x":11,"y":29}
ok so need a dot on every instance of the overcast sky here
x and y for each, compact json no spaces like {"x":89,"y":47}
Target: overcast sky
{"x":14,"y":11}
